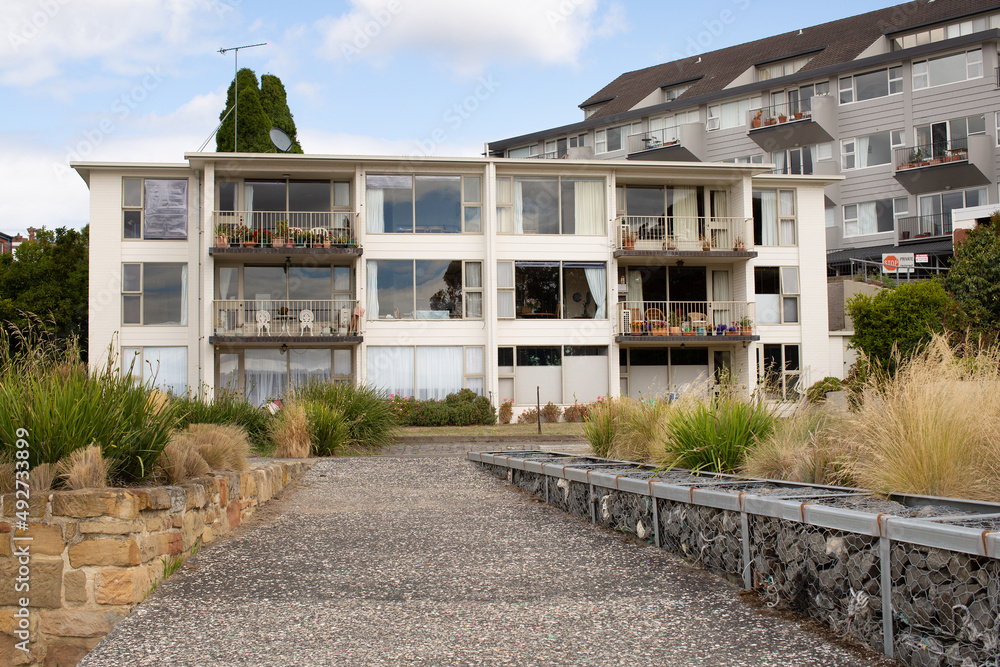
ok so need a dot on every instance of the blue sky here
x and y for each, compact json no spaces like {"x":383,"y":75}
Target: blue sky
{"x":142,"y":81}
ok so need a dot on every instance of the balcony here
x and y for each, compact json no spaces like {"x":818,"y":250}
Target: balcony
{"x":782,"y":126}
{"x":659,"y":322}
{"x":287,"y":321}
{"x":682,"y":143}
{"x":923,"y":227}
{"x":679,"y":236}
{"x":945,"y":165}
{"x":285,"y":232}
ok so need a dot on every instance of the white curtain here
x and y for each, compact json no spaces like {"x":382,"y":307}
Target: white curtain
{"x":721,"y":312}
{"x":391,"y":369}
{"x":720,"y":203}
{"x":248,"y":196}
{"x":769,"y":217}
{"x":779,"y":161}
{"x":588,"y":199}
{"x":305,"y":365}
{"x":867,"y":217}
{"x":266,"y":375}
{"x":685,"y":210}
{"x":342,"y":363}
{"x":861,"y":157}
{"x":474,"y":366}
{"x":166,"y":368}
{"x":598,"y":289}
{"x":635,"y":289}
{"x":184,"y":295}
{"x":439,"y":372}
{"x":518,"y":208}
{"x":372,"y":289}
{"x":375,"y":207}
{"x":731,"y":115}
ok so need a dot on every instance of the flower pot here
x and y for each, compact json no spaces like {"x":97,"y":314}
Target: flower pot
{"x":746,"y":331}
{"x":755,"y":122}
{"x":798,"y":115}
{"x":249,"y":244}
{"x":688,"y":333}
{"x":221,"y":242}
{"x":770,"y":121}
{"x":675,"y":331}
{"x":700,"y":331}
{"x":278,"y":242}
{"x":325,"y":244}
{"x":782,"y":119}
{"x":732,"y":333}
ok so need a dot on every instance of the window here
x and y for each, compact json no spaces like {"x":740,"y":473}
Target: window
{"x":747,"y":159}
{"x":523,"y":151}
{"x":948,"y":69}
{"x":871,"y":85}
{"x":302,"y":204}
{"x":552,"y":290}
{"x":871,"y":150}
{"x":613,"y":138}
{"x":154,"y":293}
{"x":774,"y":217}
{"x":831,"y":213}
{"x":425,"y":372}
{"x":154,"y":208}
{"x":871,"y":217}
{"x":783,"y":68}
{"x":421,"y":289}
{"x":779,"y":369}
{"x":935,"y":209}
{"x":937,"y":139}
{"x":794,"y":161}
{"x":162,"y":367}
{"x":671,"y":93}
{"x":777,"y":290}
{"x":941,"y":33}
{"x":429,"y":204}
{"x":560,"y":373}
{"x":550,"y":205}
{"x":729,"y":114}
{"x":267,"y":373}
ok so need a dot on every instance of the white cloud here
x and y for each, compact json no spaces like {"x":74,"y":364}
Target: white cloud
{"x":468,"y":35}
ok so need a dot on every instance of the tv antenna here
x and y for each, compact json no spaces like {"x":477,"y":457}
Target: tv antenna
{"x":236,"y":88}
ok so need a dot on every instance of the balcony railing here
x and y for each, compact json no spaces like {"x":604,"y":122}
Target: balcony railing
{"x":923,"y":226}
{"x":664,"y":138}
{"x":686,"y":318}
{"x":778,"y":114}
{"x":639,"y":232}
{"x":281,"y":317}
{"x":938,"y":152}
{"x":286,"y":229}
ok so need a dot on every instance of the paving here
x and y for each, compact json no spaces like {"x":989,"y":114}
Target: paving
{"x":428,"y":560}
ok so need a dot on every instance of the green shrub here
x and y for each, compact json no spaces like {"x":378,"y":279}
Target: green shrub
{"x":626,"y":428}
{"x":713,"y":435}
{"x":506,"y":412}
{"x":551,"y":412}
{"x":903,"y":319}
{"x":817,"y":392}
{"x":328,"y":427}
{"x":371,"y":423}
{"x":529,"y":416}
{"x":228,"y":409}
{"x":462,"y":408}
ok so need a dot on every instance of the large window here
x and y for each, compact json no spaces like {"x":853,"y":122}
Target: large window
{"x":154,"y":208}
{"x":551,"y":290}
{"x":613,"y":138}
{"x":871,"y":217}
{"x":399,"y":204}
{"x":777,"y":291}
{"x":154,"y":293}
{"x":871,"y":150}
{"x":425,"y":372}
{"x":162,"y":367}
{"x":871,"y":85}
{"x":265,"y":374}
{"x":523,"y":151}
{"x":730,"y":114}
{"x":780,"y":368}
{"x":298,"y":204}
{"x":943,"y":32}
{"x":550,"y":205}
{"x":560,"y":374}
{"x":783,"y":68}
{"x":774,"y":217}
{"x":938,"y":139}
{"x":406,"y":289}
{"x":948,"y":69}
{"x":935,"y":209}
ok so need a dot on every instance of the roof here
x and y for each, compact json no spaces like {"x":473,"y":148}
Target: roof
{"x":936,"y":247}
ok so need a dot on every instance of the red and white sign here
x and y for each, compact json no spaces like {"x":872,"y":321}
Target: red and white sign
{"x":898,"y":262}
{"x":922,"y":259}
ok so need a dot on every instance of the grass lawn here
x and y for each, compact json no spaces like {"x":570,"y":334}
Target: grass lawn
{"x":558,"y":428}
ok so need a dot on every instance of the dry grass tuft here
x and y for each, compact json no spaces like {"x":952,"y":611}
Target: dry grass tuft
{"x":222,"y":447}
{"x":626,"y":428}
{"x":180,"y":460}
{"x":158,"y":401}
{"x":805,"y":447}
{"x":7,"y":470}
{"x":291,"y":433}
{"x":84,"y":469}
{"x":42,"y":477}
{"x":933,"y":428}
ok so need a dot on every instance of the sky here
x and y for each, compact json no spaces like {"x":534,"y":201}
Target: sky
{"x":143,"y":81}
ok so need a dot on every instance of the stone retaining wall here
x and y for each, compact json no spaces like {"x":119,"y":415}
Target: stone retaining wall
{"x":96,"y":553}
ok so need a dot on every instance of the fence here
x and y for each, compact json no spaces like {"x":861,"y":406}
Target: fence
{"x":914,"y":577}
{"x":280,"y":317}
{"x":676,"y":318}
{"x":691,"y":233}
{"x":286,"y":229}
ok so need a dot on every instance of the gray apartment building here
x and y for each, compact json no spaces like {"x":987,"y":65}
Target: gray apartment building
{"x":904,"y":102}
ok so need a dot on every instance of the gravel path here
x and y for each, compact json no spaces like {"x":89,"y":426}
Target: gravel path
{"x":430,"y":561}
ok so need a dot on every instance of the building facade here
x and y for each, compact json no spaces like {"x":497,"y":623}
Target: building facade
{"x":519,"y":279}
{"x":901,"y":101}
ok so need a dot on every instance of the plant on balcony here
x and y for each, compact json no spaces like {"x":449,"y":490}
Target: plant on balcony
{"x":628,"y":238}
{"x":738,"y":245}
{"x":280,"y":237}
{"x":745,"y":324}
{"x":250,"y":237}
{"x":755,"y":122}
{"x":221,"y":236}
{"x":782,"y":118}
{"x":706,"y":244}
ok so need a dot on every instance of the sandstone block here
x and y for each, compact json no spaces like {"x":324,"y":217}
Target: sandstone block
{"x":5,"y":540}
{"x":46,"y":539}
{"x":103,"y":526}
{"x":122,"y":586}
{"x":233,"y":514}
{"x":107,"y":551}
{"x":36,"y":504}
{"x":15,"y":656}
{"x":193,"y":526}
{"x":87,"y":503}
{"x":195,"y":496}
{"x":65,"y":623}
{"x":153,"y":498}
{"x":75,"y":587}
{"x":156,"y":521}
{"x":8,"y":624}
{"x":222,"y":484}
{"x":68,"y":653}
{"x":44,"y":580}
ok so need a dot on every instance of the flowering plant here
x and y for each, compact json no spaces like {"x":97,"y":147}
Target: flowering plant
{"x":533,"y":303}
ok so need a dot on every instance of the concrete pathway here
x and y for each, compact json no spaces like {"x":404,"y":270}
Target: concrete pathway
{"x":431,"y":561}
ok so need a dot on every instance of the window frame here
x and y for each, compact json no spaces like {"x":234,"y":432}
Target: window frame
{"x":140,"y":294}
{"x":140,"y":208}
{"x":601,"y":136}
{"x":465,"y":204}
{"x":139,"y":362}
{"x":894,"y":79}
{"x":783,"y":295}
{"x":461,"y":310}
{"x":785,"y":373}
{"x":849,"y":145}
{"x":466,"y":373}
{"x":512,"y":292}
{"x":925,"y":73}
{"x":505,"y":208}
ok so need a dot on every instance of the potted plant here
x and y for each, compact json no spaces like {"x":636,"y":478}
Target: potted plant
{"x":755,"y":122}
{"x":721,"y":329}
{"x":674,"y":328}
{"x":706,"y":244}
{"x":221,"y":236}
{"x":782,"y":118}
{"x":323,"y":240}
{"x":628,"y":238}
{"x":220,"y":325}
{"x":738,"y":246}
{"x":731,"y":330}
{"x":797,"y":115}
{"x":745,"y":325}
{"x":249,"y":238}
{"x":532,"y":304}
{"x":280,"y":237}
{"x":770,"y":121}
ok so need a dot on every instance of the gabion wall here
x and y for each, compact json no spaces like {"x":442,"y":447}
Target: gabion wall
{"x":944,"y":604}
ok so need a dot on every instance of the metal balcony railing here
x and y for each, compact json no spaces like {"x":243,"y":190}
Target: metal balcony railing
{"x":777,"y":114}
{"x":923,"y":226}
{"x":686,"y":318}
{"x":283,"y":317}
{"x":640,"y":232}
{"x":285,"y":229}
{"x":663,"y":138}
{"x":938,"y":152}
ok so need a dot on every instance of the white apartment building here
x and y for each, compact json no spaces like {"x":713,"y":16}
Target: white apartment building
{"x":516,"y":278}
{"x":902,"y":101}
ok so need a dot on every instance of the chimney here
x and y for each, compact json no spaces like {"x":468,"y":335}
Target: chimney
{"x":31,"y":233}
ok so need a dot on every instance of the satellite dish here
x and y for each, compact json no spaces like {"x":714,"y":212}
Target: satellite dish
{"x":280,"y":140}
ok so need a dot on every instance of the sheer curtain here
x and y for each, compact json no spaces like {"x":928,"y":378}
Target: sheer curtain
{"x":184,"y":295}
{"x":375,"y":207}
{"x":861,"y":159}
{"x":867,"y":217}
{"x":598,"y":289}
{"x":685,"y":210}
{"x":166,"y":367}
{"x":372,"y":289}
{"x":391,"y":369}
{"x":474,"y":366}
{"x":439,"y":371}
{"x":720,"y":203}
{"x":266,"y":375}
{"x":769,"y":217}
{"x":731,"y":115}
{"x":588,"y":199}
{"x":779,"y":161}
{"x":248,"y":196}
{"x":635,"y":289}
{"x":518,"y":208}
{"x":721,"y":312}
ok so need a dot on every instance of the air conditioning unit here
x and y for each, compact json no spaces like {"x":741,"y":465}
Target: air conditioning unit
{"x":626,"y":322}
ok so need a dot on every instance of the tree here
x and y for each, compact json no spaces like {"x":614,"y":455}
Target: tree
{"x":261,"y":107}
{"x":904,"y":317}
{"x":47,"y":278}
{"x":974,"y":278}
